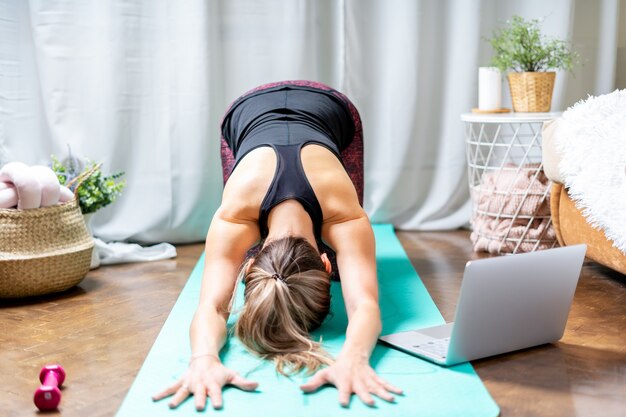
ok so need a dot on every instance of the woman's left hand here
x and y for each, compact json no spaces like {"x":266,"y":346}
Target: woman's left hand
{"x":352,"y":375}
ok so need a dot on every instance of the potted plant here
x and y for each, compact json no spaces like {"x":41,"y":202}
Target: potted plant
{"x":528,"y":55}
{"x":96,"y":191}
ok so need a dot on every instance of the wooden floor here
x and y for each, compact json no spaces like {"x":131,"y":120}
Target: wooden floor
{"x":102,"y":330}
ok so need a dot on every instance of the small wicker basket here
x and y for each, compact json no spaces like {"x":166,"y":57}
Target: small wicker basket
{"x":531,"y":91}
{"x":43,"y":250}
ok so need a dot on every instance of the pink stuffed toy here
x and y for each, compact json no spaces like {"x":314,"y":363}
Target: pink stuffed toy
{"x":30,"y":187}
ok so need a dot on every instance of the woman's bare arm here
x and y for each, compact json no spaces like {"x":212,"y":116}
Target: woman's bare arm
{"x":226,"y":245}
{"x":353,"y":241}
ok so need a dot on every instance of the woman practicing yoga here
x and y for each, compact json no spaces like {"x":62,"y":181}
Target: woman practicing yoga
{"x":288,"y":190}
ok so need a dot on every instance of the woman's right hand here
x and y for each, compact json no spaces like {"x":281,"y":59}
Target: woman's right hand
{"x":205,"y":377}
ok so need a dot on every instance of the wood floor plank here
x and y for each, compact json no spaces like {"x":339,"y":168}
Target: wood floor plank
{"x":102,"y":330}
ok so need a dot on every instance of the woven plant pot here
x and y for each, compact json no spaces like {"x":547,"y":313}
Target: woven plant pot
{"x":531,"y":91}
{"x":43,"y":250}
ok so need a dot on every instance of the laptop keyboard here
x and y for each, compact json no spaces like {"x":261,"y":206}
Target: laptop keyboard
{"x":435,"y":347}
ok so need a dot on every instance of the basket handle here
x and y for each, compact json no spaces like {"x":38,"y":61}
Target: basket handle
{"x":79,"y":179}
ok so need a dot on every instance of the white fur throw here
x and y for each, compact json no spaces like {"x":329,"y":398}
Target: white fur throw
{"x":592,"y":145}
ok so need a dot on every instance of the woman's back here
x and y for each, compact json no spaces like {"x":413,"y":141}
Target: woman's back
{"x":287,"y":142}
{"x":250,"y":181}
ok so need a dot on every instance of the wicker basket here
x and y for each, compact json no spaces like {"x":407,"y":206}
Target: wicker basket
{"x":43,"y":250}
{"x":531,"y":91}
{"x":510,"y":192}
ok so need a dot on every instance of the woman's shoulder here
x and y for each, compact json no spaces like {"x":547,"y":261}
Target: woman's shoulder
{"x":248,"y":184}
{"x":331,"y":183}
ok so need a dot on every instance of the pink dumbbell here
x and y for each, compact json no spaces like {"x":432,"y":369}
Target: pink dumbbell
{"x":48,"y":395}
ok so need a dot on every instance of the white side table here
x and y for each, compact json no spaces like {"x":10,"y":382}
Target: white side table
{"x":509,"y":191}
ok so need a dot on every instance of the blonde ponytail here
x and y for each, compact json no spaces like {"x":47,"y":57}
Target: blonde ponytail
{"x":287,"y":295}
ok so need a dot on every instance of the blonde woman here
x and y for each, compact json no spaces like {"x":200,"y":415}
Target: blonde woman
{"x":288,"y":188}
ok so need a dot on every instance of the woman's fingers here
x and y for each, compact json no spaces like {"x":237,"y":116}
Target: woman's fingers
{"x":364,"y":396}
{"x":344,"y":396}
{"x":388,"y":386}
{"x":215,"y":392}
{"x":199,"y":393}
{"x":314,"y":383}
{"x":242,"y":383}
{"x":181,"y":394}
{"x":323,"y":377}
{"x":382,"y":393}
{"x":166,"y":392}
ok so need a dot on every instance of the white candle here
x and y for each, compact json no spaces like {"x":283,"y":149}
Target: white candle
{"x":489,"y":84}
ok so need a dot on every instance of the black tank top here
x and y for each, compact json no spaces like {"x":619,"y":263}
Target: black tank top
{"x":287,"y":118}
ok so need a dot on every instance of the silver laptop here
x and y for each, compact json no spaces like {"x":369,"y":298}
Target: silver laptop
{"x":506,"y":303}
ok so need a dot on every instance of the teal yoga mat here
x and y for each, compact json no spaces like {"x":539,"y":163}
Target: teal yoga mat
{"x":429,"y":390}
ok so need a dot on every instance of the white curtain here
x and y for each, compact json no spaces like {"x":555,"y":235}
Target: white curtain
{"x":142,"y":85}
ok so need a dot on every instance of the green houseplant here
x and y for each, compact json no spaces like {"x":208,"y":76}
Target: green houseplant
{"x":529,"y":56}
{"x":96,"y":190}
